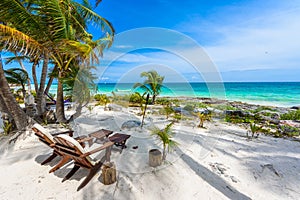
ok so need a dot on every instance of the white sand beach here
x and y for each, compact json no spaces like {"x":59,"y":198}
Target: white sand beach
{"x":218,"y":162}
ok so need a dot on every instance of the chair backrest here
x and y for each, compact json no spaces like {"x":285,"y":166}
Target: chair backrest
{"x":68,"y":146}
{"x":43,"y":134}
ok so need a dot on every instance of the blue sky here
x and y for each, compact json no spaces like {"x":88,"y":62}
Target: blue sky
{"x":245,"y":40}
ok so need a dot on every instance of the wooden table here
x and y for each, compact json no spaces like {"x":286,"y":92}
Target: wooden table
{"x":100,"y":134}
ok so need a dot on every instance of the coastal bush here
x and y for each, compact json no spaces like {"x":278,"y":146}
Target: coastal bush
{"x":290,"y":131}
{"x":224,"y":107}
{"x":189,"y":107}
{"x":292,"y":115}
{"x":102,"y":99}
{"x":261,"y":108}
{"x":163,"y":101}
{"x":166,"y":110}
{"x":136,"y":98}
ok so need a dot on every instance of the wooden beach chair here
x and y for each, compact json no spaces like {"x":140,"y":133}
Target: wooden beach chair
{"x":71,"y":149}
{"x":47,"y":138}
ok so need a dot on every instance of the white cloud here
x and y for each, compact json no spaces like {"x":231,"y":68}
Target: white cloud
{"x":266,"y":42}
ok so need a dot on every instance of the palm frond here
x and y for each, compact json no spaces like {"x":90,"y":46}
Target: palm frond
{"x":95,"y":19}
{"x":55,"y":18}
{"x":13,"y":12}
{"x":16,"y":41}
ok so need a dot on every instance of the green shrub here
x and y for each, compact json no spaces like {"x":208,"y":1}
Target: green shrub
{"x":136,"y":98}
{"x":102,"y":99}
{"x":163,"y":101}
{"x":292,"y":115}
{"x":224,"y":107}
{"x":189,"y":107}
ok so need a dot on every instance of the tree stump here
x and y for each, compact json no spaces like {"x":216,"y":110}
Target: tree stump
{"x":109,"y":173}
{"x":155,"y":158}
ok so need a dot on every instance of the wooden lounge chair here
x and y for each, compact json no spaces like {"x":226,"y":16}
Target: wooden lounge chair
{"x":71,"y":149}
{"x":47,"y":138}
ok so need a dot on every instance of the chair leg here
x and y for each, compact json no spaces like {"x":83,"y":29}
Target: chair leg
{"x":63,"y":161}
{"x":49,"y":158}
{"x":71,"y":173}
{"x":91,"y":174}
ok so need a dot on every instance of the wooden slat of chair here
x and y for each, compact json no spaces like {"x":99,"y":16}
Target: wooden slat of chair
{"x":70,"y":148}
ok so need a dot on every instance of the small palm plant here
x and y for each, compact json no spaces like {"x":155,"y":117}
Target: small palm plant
{"x":165,"y":135}
{"x":254,"y":128}
{"x":203,"y":117}
{"x":168,"y":110}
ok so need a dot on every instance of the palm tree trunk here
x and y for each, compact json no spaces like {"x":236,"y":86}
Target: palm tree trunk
{"x":50,"y":81}
{"x":28,"y":80}
{"x":60,"y":111}
{"x":10,"y":102}
{"x":33,"y":70}
{"x":40,"y":94}
{"x":153,"y":99}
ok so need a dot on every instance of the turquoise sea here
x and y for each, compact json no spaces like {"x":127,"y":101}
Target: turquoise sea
{"x":264,"y":93}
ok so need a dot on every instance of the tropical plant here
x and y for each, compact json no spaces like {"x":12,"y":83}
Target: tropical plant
{"x":9,"y":104}
{"x":17,"y":76}
{"x":203,"y":117}
{"x":102,"y":100}
{"x":292,"y":115}
{"x":53,"y":30}
{"x":152,"y":84}
{"x":254,"y":128}
{"x":165,"y":136}
{"x":136,"y":98}
{"x":7,"y":127}
{"x":168,"y":110}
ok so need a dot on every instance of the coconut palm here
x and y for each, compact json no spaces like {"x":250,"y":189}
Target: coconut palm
{"x":8,"y":102}
{"x":152,"y":84}
{"x":165,"y":136}
{"x":17,"y":76}
{"x":52,"y":30}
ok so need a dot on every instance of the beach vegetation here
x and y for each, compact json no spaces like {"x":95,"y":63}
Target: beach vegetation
{"x":38,"y":31}
{"x":167,"y":111}
{"x":263,"y":108}
{"x":254,"y":129}
{"x":102,"y":99}
{"x":165,"y":135}
{"x":203,"y":117}
{"x":152,"y":84}
{"x":137,"y":98}
{"x":18,"y":77}
{"x":292,"y":115}
{"x":7,"y":127}
{"x":163,"y":101}
{"x":223,"y":107}
{"x":189,"y":107}
{"x":289,"y":130}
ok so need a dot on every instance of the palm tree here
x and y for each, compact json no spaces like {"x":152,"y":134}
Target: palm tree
{"x":52,"y":30}
{"x":165,"y":135}
{"x":152,"y":84}
{"x":17,"y":76}
{"x":8,"y":102}
{"x":19,"y":59}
